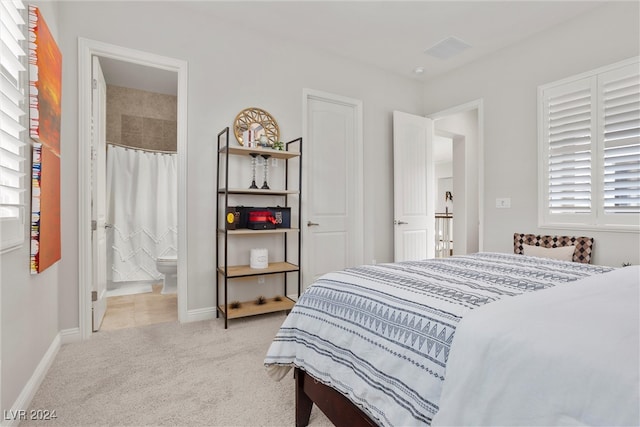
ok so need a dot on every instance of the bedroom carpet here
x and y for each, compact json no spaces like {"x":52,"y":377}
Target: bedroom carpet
{"x":194,"y":374}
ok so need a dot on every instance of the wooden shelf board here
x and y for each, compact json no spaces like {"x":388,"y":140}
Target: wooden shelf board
{"x":245,"y":270}
{"x":248,"y":231}
{"x":275,"y":154}
{"x":250,"y":308}
{"x":258,"y":191}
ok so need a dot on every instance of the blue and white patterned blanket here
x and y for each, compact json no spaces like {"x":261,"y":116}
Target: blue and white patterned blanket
{"x":381,"y":334}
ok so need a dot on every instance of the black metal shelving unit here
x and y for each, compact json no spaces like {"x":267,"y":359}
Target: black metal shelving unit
{"x":225,"y":272}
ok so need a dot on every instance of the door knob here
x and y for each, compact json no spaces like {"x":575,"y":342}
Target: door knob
{"x":310,"y":224}
{"x":108,"y":226}
{"x":399,"y":222}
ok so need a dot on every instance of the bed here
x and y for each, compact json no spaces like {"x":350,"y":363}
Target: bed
{"x":369,"y":345}
{"x":579,"y":366}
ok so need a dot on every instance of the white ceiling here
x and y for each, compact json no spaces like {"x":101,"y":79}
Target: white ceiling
{"x":128,"y":74}
{"x":391,"y":35}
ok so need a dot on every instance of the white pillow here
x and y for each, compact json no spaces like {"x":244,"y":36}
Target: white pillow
{"x":563,"y":253}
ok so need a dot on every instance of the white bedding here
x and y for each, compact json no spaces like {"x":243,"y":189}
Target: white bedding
{"x":381,"y":334}
{"x":568,"y":355}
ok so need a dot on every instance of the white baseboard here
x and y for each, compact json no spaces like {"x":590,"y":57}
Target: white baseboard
{"x":70,"y":335}
{"x":199,"y":314}
{"x":24,"y":399}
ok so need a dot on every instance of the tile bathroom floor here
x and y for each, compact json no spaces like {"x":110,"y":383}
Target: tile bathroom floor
{"x":130,"y":311}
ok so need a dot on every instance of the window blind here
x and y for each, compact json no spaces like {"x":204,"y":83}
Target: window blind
{"x":620,"y":93}
{"x":12,"y":103}
{"x":589,"y":136}
{"x":569,"y":141}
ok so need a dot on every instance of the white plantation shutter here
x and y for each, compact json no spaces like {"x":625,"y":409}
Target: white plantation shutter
{"x":620,"y":133}
{"x":12,"y":102}
{"x":569,"y":130}
{"x":590,"y":149}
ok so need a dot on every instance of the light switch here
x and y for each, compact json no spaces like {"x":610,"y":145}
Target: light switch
{"x":503,"y":203}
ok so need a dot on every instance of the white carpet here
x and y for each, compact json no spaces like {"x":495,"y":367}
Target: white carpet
{"x":194,"y":374}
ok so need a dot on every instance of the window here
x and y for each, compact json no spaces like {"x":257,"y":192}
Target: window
{"x":12,"y":147}
{"x":589,"y":139}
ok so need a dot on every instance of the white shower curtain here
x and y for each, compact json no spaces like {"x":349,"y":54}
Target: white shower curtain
{"x":142,"y":202}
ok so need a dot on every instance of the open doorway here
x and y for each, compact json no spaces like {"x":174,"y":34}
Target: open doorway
{"x":141,"y":229}
{"x":443,"y":182}
{"x":462,"y":126}
{"x":146,"y":66}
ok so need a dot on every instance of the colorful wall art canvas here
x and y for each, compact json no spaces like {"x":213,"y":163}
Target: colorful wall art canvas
{"x":45,"y":90}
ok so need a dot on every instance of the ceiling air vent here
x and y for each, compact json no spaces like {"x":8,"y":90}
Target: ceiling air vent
{"x":447,"y":48}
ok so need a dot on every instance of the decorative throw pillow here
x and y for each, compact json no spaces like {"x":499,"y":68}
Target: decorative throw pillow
{"x":563,"y":253}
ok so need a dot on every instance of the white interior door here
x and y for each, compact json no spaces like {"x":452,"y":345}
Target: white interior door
{"x":98,"y":194}
{"x":332,"y":199}
{"x":413,"y":185}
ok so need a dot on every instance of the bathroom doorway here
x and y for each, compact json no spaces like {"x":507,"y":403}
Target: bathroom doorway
{"x":133,"y":76}
{"x":141,"y":195}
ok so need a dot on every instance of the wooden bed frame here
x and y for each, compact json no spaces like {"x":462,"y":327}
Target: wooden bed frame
{"x":340,"y":410}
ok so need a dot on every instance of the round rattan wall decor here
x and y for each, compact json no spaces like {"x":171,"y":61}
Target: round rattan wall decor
{"x":258,"y":120}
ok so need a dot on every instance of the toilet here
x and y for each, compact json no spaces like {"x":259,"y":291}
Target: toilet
{"x":168,"y":266}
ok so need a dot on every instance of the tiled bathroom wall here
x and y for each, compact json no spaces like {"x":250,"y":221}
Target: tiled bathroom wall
{"x":141,"y":119}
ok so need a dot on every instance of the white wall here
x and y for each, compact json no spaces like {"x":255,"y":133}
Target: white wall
{"x":29,"y":323}
{"x":507,"y":82}
{"x":220,"y":85}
